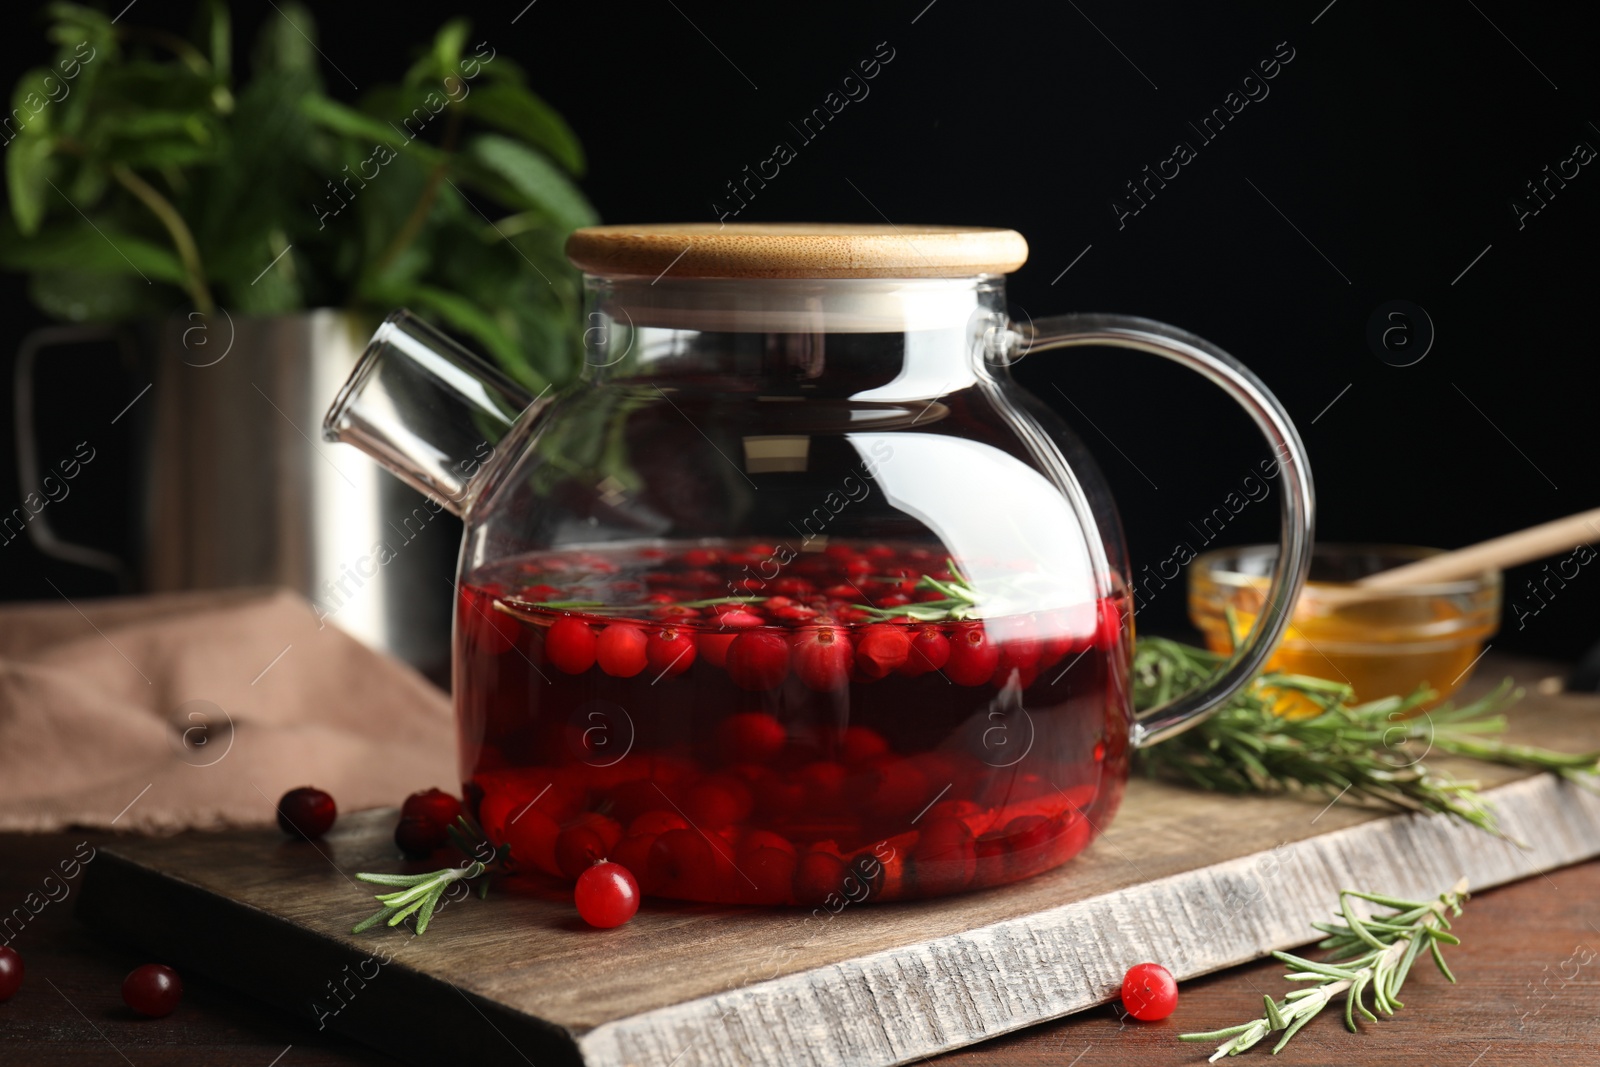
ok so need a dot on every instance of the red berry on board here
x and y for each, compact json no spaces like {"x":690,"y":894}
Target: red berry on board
{"x":434,"y":805}
{"x":606,"y":895}
{"x":758,"y":660}
{"x":306,"y":813}
{"x":669,"y":651}
{"x":620,"y":650}
{"x":973,"y":657}
{"x":569,"y":644}
{"x":822,"y":657}
{"x":153,"y":990}
{"x":11,"y":972}
{"x":1149,"y":992}
{"x":930,"y":651}
{"x":419,"y":837}
{"x":750,"y":737}
{"x":882,"y":649}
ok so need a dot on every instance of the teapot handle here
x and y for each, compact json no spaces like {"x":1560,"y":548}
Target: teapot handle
{"x":1298,"y":502}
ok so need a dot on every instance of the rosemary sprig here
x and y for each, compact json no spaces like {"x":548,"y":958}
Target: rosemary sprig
{"x":419,"y":894}
{"x":1375,"y":954}
{"x":960,"y":600}
{"x":1371,"y":752}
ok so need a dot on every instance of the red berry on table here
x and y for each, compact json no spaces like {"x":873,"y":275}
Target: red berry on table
{"x":606,"y":895}
{"x":152,"y":990}
{"x":569,"y":644}
{"x":10,"y":972}
{"x":929,"y":651}
{"x":822,"y":658}
{"x":306,"y":813}
{"x":434,"y":805}
{"x":882,"y":649}
{"x":1149,"y":992}
{"x":758,"y":660}
{"x":620,"y":650}
{"x":669,"y":651}
{"x":973,"y":657}
{"x":419,"y":837}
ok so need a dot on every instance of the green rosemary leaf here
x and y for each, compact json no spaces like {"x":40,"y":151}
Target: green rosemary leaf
{"x":1438,"y":958}
{"x":1274,"y":1017}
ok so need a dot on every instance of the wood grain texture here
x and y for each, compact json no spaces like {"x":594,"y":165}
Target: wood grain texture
{"x":1198,"y":881}
{"x":796,"y":250}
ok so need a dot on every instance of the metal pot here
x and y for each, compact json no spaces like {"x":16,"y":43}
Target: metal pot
{"x":237,"y":490}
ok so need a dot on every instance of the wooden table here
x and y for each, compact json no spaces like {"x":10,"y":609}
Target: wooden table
{"x":1529,"y":993}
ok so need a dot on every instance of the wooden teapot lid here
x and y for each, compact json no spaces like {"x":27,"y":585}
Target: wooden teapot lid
{"x":796,"y":250}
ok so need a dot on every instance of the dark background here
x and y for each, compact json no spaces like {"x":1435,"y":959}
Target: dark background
{"x":1384,"y":160}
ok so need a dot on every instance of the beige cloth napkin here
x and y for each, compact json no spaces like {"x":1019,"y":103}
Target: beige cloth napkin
{"x":199,"y":710}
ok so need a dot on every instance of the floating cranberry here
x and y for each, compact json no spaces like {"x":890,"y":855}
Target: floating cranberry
{"x":772,"y":871}
{"x":758,"y":839}
{"x":822,"y":658}
{"x":153,"y":990}
{"x":419,"y":837}
{"x":669,"y":651}
{"x":682,"y":865}
{"x":11,"y":972}
{"x":306,"y":813}
{"x":929,"y":651}
{"x":881,"y":650}
{"x":607,"y":895}
{"x":1149,"y":992}
{"x":569,"y":644}
{"x":758,"y":660}
{"x":973,"y":657}
{"x":435,"y":805}
{"x":620,"y":650}
{"x":633,"y":853}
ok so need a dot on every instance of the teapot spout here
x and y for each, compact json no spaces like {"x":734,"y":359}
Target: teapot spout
{"x":427,"y":409}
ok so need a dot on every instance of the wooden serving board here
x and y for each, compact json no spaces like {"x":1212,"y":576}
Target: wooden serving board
{"x":1196,"y":881}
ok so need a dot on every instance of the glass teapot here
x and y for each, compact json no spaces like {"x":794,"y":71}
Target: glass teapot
{"x":794,"y":597}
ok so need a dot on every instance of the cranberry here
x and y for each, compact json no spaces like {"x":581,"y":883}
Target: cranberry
{"x":532,"y":835}
{"x":669,"y":651}
{"x":578,"y":848}
{"x":569,"y":644}
{"x":772,"y":871}
{"x":606,"y":895}
{"x":796,"y":613}
{"x":901,"y":790}
{"x":700,"y":557}
{"x":817,"y":876}
{"x":881,"y":650}
{"x":929,"y":651}
{"x":750,"y":737}
{"x":434,"y":805}
{"x":758,"y":839}
{"x":793,"y":587}
{"x":823,"y":782}
{"x":11,"y":972}
{"x":822,"y":658}
{"x":758,"y":660}
{"x":152,"y":990}
{"x":419,"y":837}
{"x":306,"y":813}
{"x":620,"y":650}
{"x":718,"y":801}
{"x":682,"y":865}
{"x":657,"y":822}
{"x":858,"y":744}
{"x":1149,"y":992}
{"x":973,"y":657}
{"x":633,"y":853}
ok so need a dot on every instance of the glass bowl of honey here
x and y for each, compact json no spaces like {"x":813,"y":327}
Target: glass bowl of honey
{"x":1380,"y":643}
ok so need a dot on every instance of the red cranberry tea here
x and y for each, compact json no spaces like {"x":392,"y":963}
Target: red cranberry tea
{"x":853,"y":726}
